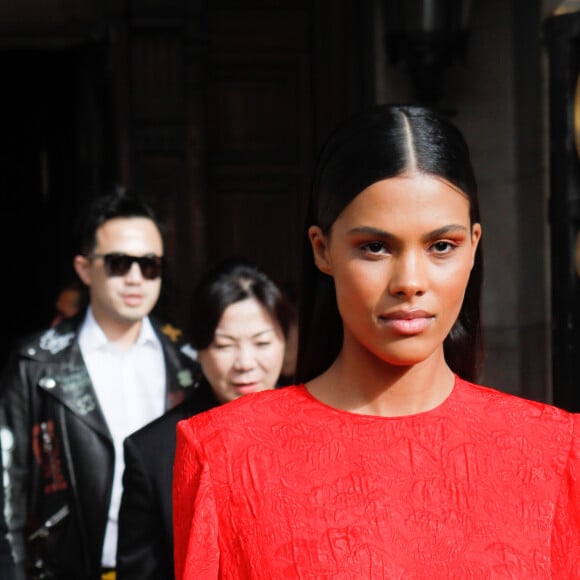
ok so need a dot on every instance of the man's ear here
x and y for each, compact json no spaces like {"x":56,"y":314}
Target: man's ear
{"x":81,"y":266}
{"x":319,"y":243}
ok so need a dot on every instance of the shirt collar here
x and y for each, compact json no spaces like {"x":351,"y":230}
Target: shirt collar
{"x":147,"y":334}
{"x":92,"y":337}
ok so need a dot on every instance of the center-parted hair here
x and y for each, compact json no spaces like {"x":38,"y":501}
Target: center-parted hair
{"x":379,"y":143}
{"x":228,"y":282}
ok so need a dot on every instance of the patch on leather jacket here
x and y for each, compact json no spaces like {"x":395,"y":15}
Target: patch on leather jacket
{"x":172,"y":332}
{"x":47,"y":453}
{"x":185,"y":378}
{"x":54,"y":342}
{"x":189,"y":351}
{"x":75,"y":383}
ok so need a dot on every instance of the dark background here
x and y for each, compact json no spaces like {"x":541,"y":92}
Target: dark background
{"x":212,"y":111}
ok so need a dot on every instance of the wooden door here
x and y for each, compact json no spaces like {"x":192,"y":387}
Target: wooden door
{"x":259,"y":131}
{"x":221,"y":107}
{"x":51,"y":159}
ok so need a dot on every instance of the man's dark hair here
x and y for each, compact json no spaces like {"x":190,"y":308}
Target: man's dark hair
{"x":118,"y":204}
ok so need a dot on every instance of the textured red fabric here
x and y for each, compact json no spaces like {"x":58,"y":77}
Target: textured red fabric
{"x":279,"y":485}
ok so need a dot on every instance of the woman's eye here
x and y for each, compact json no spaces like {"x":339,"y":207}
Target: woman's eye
{"x":223,"y":346}
{"x":373,"y":247}
{"x":263,"y":343}
{"x":442,"y":247}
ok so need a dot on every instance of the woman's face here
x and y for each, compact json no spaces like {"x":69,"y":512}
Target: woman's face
{"x":400,"y":255}
{"x":247,"y":351}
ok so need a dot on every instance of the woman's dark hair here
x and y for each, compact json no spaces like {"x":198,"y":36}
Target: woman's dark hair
{"x":106,"y":207}
{"x":228,"y":282}
{"x":375,"y":144}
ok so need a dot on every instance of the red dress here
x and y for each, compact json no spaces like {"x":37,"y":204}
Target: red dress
{"x":278,"y":485}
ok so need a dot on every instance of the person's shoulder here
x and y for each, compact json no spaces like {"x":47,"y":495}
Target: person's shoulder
{"x":165,"y":423}
{"x":254,"y":411}
{"x":160,"y":425}
{"x":257,"y":403}
{"x":541,"y":432}
{"x":49,"y":342}
{"x":514,"y":409}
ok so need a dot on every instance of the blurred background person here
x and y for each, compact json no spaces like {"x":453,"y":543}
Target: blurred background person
{"x":240,"y":320}
{"x":71,"y":299}
{"x":70,"y":394}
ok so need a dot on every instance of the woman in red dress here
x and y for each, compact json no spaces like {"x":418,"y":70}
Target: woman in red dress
{"x":385,"y":460}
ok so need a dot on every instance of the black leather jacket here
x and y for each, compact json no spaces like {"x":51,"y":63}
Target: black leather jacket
{"x":61,"y":457}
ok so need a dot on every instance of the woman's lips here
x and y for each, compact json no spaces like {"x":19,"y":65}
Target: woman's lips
{"x":407,"y":322}
{"x":245,"y":388}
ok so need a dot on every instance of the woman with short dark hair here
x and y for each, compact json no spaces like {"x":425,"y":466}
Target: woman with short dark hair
{"x":240,"y":320}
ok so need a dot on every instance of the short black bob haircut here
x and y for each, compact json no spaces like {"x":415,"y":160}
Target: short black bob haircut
{"x":378,"y":143}
{"x":229,"y":281}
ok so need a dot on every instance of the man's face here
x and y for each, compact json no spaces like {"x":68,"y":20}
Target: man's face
{"x":119,"y":300}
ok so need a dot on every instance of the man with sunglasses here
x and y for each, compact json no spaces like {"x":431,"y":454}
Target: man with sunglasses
{"x":71,"y":394}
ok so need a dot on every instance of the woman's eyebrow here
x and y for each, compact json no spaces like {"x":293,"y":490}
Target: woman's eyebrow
{"x":218,"y":334}
{"x":263,"y":332}
{"x":372,"y":231}
{"x":225,"y":335}
{"x":449,"y":229}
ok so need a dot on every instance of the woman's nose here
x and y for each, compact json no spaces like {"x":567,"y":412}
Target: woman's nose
{"x":408,"y":275}
{"x":244,"y":358}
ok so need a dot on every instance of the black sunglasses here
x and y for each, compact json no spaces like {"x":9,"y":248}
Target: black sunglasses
{"x":117,"y":264}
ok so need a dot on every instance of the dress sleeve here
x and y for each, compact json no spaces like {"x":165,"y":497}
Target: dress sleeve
{"x":195,"y":521}
{"x":566,"y":531}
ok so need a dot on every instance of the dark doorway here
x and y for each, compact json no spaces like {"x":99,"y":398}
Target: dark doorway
{"x":53,"y":119}
{"x":563,"y":44}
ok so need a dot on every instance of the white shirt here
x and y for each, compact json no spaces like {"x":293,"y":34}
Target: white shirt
{"x":131,"y":390}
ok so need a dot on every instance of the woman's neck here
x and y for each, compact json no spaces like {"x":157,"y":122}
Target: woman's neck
{"x":362,"y":383}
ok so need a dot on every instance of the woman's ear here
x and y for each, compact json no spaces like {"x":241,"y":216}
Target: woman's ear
{"x":319,"y":243}
{"x":475,"y":237}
